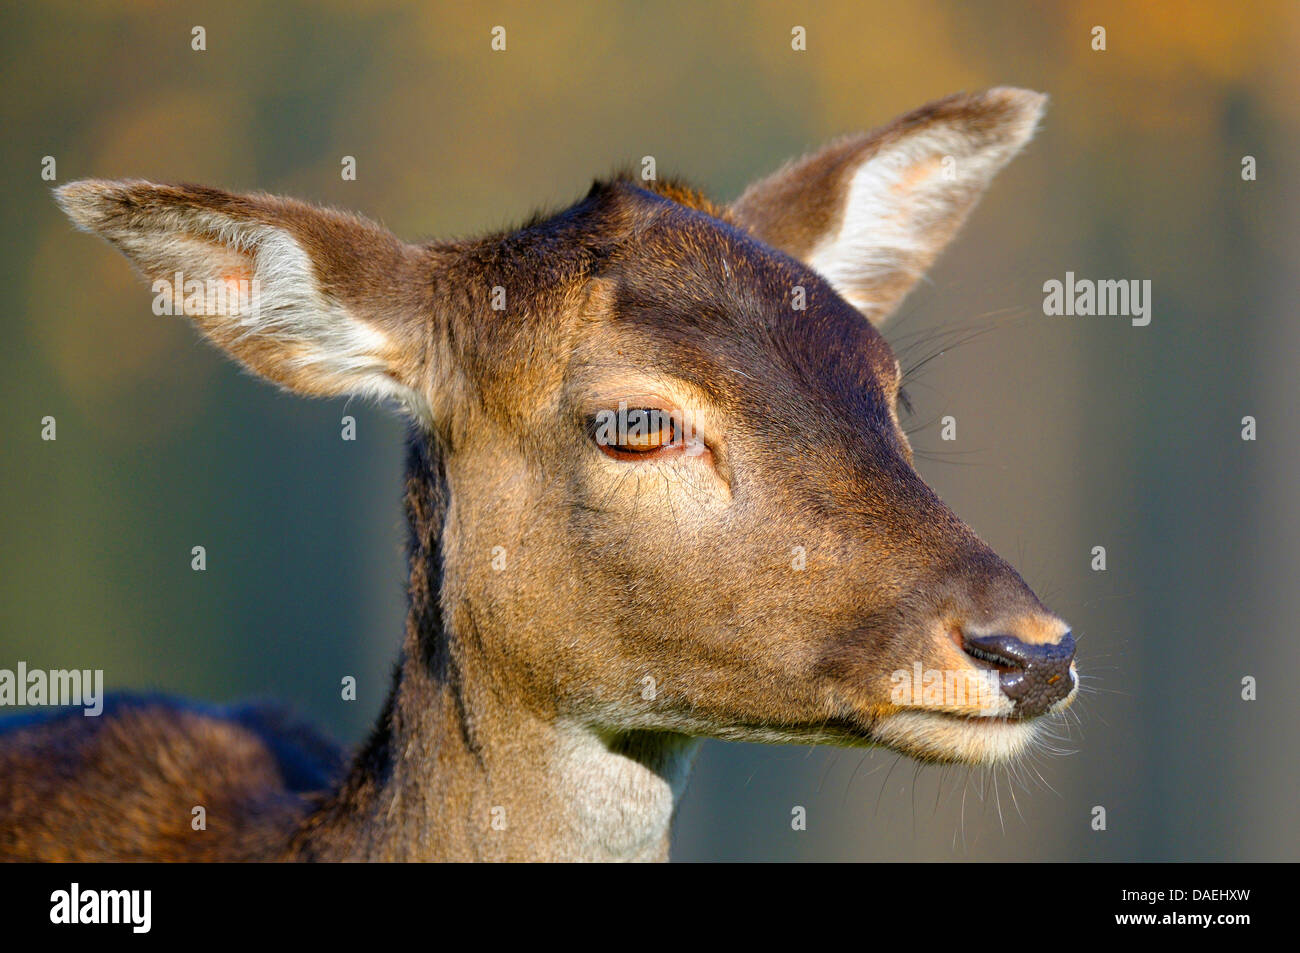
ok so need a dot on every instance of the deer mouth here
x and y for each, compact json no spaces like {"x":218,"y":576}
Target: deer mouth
{"x":985,"y":706}
{"x":984,"y":733}
{"x":949,"y":738}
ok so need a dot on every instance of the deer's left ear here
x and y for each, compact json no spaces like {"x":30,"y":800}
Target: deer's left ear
{"x":871,"y":212}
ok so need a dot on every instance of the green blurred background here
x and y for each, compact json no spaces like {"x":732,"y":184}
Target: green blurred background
{"x":1073,"y":432}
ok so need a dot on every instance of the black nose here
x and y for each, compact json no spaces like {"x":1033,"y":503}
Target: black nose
{"x":1035,"y":677}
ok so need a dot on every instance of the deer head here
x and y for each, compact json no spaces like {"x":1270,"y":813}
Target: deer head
{"x":661,"y":489}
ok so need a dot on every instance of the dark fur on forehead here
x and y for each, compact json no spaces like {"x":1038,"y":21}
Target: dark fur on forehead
{"x":694,"y":275}
{"x":701,"y":293}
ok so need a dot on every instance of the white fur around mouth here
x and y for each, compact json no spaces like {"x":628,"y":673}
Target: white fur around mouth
{"x":937,"y":736}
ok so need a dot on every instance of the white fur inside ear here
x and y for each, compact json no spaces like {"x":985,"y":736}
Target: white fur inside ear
{"x":322,"y":338}
{"x":900,"y":207}
{"x":308,"y":335}
{"x":874,"y":240}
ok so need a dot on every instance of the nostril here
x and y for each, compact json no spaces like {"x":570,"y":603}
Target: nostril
{"x":1034,"y":676}
{"x":1009,"y":651}
{"x":1003,"y":651}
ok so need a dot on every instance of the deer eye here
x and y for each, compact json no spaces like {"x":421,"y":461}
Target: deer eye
{"x":628,"y":433}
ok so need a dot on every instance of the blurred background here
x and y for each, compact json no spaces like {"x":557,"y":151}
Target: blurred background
{"x":1073,"y":432}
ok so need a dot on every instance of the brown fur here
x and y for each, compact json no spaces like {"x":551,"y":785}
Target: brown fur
{"x":518,"y":726}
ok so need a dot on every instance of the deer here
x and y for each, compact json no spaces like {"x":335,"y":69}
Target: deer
{"x":657,"y":490}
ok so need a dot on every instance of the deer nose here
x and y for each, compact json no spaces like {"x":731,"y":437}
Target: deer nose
{"x":1034,"y":676}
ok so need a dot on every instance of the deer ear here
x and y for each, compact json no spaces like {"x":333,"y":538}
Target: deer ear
{"x":320,"y":302}
{"x":871,"y":212}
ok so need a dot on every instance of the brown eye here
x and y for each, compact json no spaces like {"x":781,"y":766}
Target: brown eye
{"x":633,"y":432}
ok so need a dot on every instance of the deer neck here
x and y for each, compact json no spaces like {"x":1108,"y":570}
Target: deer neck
{"x":456,"y":769}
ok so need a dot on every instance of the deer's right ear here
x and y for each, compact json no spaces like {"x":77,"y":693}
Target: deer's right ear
{"x":871,"y":212}
{"x":320,"y":302}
